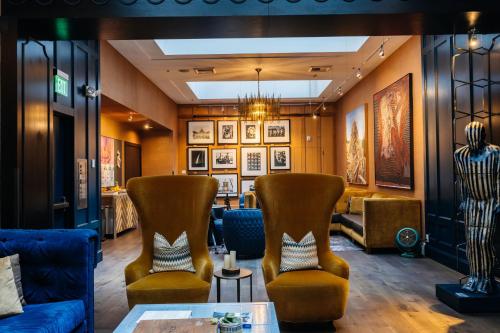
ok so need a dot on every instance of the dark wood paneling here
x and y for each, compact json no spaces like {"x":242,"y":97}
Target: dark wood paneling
{"x":33,"y":152}
{"x":444,"y":227}
{"x":36,"y":125}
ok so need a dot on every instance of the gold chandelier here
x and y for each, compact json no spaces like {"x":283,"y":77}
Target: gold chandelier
{"x":257,"y":107}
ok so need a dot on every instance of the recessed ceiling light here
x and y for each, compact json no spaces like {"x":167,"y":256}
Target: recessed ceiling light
{"x":278,"y":88}
{"x":172,"y":47}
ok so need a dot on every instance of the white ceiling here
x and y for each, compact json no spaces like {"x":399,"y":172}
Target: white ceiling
{"x":165,"y":72}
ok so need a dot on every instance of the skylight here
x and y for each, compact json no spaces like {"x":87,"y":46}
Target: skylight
{"x":281,"y":88}
{"x":217,"y":46}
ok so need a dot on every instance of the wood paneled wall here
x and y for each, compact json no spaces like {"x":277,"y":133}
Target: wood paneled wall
{"x":159,"y":153}
{"x":445,"y":229}
{"x":125,"y":84}
{"x":315,"y":155}
{"x":405,"y":60}
{"x":48,"y":134}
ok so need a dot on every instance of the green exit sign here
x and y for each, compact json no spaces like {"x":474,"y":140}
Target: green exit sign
{"x":61,"y":83}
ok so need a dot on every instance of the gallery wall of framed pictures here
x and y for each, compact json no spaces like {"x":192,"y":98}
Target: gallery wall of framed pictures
{"x":236,"y":152}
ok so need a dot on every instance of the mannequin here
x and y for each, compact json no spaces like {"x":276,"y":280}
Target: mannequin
{"x":478,"y":167}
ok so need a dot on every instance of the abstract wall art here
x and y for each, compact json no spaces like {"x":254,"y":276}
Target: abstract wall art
{"x":356,"y":146}
{"x":393,"y":135}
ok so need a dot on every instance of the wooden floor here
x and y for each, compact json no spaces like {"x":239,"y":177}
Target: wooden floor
{"x":388,"y":293}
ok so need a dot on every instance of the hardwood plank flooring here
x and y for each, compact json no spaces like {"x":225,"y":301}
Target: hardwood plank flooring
{"x":388,"y":293}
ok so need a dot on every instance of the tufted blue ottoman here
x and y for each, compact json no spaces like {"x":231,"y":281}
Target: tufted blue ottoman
{"x":244,"y":232}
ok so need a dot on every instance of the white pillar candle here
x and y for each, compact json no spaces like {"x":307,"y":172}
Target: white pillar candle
{"x":233,"y":259}
{"x":227,"y":261}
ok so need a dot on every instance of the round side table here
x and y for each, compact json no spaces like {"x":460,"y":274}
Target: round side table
{"x":244,"y":273}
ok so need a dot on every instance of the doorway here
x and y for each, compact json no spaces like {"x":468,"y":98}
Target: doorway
{"x":133,"y":164}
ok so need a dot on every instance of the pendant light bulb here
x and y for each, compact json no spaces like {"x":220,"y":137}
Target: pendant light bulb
{"x":473,"y":39}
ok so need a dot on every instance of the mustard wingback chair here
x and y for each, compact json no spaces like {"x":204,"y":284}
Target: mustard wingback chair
{"x":170,"y":205}
{"x":297,"y":204}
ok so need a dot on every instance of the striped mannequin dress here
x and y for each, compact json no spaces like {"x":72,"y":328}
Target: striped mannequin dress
{"x":478,"y":166}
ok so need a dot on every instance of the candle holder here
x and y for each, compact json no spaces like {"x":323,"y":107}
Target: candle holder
{"x":231,"y":271}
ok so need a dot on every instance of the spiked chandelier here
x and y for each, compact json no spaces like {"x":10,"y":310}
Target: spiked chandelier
{"x":259,"y":107}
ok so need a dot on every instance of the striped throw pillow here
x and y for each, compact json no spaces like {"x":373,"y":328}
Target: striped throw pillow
{"x":175,"y":257}
{"x":298,"y":255}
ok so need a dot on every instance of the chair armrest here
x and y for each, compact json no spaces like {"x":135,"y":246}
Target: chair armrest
{"x":335,"y":265}
{"x":204,"y":268}
{"x":383,"y":218}
{"x":269,"y":268}
{"x":137,"y":269}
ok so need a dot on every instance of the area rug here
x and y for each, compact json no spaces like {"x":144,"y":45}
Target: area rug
{"x":339,"y":243}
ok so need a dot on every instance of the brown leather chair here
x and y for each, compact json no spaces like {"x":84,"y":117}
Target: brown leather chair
{"x":170,"y":205}
{"x":297,"y":204}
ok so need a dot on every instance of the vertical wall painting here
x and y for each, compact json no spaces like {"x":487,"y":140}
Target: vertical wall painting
{"x":111,"y":162}
{"x":356,"y":152}
{"x":107,"y":161}
{"x":394,"y":135}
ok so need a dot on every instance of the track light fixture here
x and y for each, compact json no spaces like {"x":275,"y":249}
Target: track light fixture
{"x":381,"y":52}
{"x":358,"y":74}
{"x":339,"y":91}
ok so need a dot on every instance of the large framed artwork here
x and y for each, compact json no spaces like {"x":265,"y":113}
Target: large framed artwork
{"x":250,"y":132}
{"x":200,"y":132}
{"x":247,"y":185}
{"x":227,"y":132}
{"x":111,"y":162}
{"x":253,"y":161}
{"x":228,"y":184}
{"x":279,"y":158}
{"x":277,"y":131}
{"x":197,"y":158}
{"x":394,"y":135}
{"x":356,"y":143}
{"x":224,"y":158}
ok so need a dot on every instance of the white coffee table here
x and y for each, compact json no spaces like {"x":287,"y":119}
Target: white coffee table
{"x":263,"y":314}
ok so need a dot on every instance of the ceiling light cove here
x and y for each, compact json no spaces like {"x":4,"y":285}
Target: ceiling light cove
{"x":219,"y":46}
{"x":291,"y":89}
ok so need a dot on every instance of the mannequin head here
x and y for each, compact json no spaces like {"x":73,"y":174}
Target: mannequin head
{"x":476,"y":135}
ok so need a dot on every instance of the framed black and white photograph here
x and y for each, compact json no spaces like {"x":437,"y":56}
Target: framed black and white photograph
{"x":227,"y":132}
{"x":279,"y":158}
{"x":197,"y":158}
{"x":277,"y":131}
{"x":228,"y":184}
{"x":247,"y":185}
{"x":200,"y":132}
{"x":250,"y":132}
{"x":224,"y":158}
{"x":253,"y":161}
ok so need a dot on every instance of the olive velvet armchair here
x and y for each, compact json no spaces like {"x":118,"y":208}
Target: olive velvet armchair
{"x":170,"y":205}
{"x":297,"y":204}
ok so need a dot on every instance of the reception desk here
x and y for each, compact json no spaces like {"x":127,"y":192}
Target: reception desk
{"x":118,"y":213}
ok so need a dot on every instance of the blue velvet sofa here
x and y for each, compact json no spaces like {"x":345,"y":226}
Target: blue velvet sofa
{"x":244,"y":232}
{"x":57,"y":274}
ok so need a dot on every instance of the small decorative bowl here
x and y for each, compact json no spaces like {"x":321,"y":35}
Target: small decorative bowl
{"x":225,"y":327}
